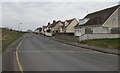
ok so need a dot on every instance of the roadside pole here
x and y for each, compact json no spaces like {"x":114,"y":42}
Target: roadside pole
{"x":19,"y":26}
{"x":87,"y":38}
{"x":87,"y":34}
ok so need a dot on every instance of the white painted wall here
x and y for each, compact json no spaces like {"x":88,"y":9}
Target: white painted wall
{"x":101,"y":30}
{"x":98,"y":36}
{"x":70,"y":27}
{"x":112,"y":21}
{"x":56,"y":27}
{"x":79,"y":31}
{"x":60,"y":30}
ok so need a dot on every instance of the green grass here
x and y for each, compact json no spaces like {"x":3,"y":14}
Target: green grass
{"x":104,"y":43}
{"x":8,"y":37}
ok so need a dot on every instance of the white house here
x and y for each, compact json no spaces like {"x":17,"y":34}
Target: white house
{"x":61,"y":29}
{"x":68,"y":26}
{"x":55,"y":26}
{"x":43,"y":29}
{"x":103,"y":21}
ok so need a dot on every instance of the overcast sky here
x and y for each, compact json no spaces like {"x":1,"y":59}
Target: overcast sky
{"x":36,"y":14}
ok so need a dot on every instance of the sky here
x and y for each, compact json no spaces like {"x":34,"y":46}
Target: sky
{"x":34,"y":14}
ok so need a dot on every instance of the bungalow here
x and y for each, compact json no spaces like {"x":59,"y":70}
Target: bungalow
{"x":68,"y":26}
{"x":104,"y":21}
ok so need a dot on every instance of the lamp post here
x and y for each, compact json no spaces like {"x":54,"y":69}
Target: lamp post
{"x":19,"y":26}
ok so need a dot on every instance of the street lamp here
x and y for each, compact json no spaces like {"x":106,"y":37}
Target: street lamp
{"x":19,"y":26}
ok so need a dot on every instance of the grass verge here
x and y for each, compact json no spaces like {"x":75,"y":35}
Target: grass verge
{"x":8,"y":37}
{"x":104,"y":43}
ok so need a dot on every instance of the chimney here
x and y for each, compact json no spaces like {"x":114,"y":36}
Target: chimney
{"x":49,"y":23}
{"x":54,"y":21}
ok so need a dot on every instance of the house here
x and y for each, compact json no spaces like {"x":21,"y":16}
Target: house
{"x":48,"y":25}
{"x":29,"y":30}
{"x":103,"y":21}
{"x":38,"y":30}
{"x":68,"y":26}
{"x":44,"y":28}
{"x":54,"y":26}
{"x":45,"y":31}
{"x":61,"y":29}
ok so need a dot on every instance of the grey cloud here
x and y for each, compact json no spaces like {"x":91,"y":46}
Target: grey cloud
{"x":36,"y":14}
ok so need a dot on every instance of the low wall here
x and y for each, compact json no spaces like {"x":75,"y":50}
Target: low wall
{"x":98,"y":36}
{"x":67,"y":36}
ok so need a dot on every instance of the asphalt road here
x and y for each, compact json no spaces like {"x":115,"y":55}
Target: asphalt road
{"x":38,"y":53}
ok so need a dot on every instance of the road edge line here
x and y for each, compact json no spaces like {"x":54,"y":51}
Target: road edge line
{"x":17,"y":57}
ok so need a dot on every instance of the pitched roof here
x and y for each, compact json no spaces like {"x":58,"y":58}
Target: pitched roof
{"x":48,"y":24}
{"x":63,"y":24}
{"x":69,"y":21}
{"x":99,"y":17}
{"x":44,"y":27}
{"x":53,"y":24}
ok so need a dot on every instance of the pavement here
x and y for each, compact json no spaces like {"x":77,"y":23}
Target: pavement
{"x":39,"y":53}
{"x":103,"y":50}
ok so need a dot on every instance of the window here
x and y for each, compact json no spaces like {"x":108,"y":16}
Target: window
{"x":118,"y":17}
{"x":83,"y":21}
{"x":105,"y":28}
{"x":89,"y":31}
{"x":115,"y":30}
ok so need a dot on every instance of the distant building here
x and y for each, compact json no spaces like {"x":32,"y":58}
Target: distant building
{"x":29,"y":30}
{"x":44,"y":28}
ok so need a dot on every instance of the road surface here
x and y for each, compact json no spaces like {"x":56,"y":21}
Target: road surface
{"x":38,"y":53}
